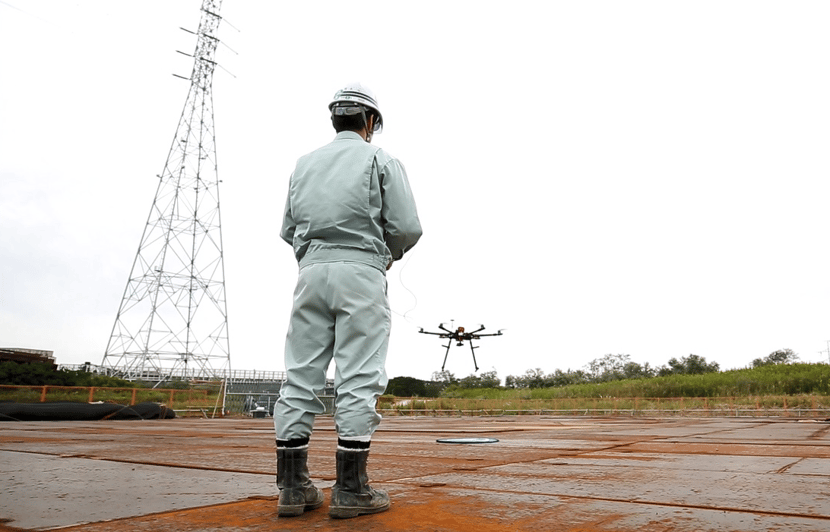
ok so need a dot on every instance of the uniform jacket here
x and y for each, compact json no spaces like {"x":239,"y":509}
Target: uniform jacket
{"x":350,"y":201}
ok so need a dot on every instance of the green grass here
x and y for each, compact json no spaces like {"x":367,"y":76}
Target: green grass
{"x":790,"y":379}
{"x":791,"y":389}
{"x":775,"y":390}
{"x":786,"y":405}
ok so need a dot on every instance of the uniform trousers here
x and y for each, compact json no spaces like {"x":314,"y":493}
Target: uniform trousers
{"x":341,"y":313}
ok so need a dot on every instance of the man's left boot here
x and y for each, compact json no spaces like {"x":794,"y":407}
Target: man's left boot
{"x":351,"y":494}
{"x":297,"y":492}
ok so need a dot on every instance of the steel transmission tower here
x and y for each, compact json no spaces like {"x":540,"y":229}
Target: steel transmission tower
{"x":173,"y":317}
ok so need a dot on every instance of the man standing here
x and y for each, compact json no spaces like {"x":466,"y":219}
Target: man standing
{"x":349,"y":215}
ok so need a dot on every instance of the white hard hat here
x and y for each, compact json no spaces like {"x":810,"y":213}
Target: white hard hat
{"x":349,"y":99}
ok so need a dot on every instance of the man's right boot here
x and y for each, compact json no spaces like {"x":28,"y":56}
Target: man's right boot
{"x":297,"y":492}
{"x":351,"y":494}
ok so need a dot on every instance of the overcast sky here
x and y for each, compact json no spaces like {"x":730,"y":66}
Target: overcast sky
{"x":646,"y":178}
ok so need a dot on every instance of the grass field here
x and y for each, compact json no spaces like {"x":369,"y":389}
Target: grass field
{"x":783,"y":405}
{"x":777,"y":390}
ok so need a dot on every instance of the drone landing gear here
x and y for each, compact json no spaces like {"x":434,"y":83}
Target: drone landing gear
{"x":472,"y":349}
{"x":449,"y":344}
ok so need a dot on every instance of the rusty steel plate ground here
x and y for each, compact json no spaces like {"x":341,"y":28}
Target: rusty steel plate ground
{"x":544,"y":473}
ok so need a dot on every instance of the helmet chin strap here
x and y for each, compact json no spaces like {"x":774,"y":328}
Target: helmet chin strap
{"x":369,"y":130}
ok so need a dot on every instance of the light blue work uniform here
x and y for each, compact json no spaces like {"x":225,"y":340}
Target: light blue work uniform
{"x":350,"y":212}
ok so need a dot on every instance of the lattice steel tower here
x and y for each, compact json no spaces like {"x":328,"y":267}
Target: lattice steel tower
{"x":173,"y":318}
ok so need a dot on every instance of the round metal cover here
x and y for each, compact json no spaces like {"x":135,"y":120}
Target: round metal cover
{"x":467,"y":440}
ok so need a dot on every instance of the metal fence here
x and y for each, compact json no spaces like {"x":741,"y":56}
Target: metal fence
{"x":258,"y":397}
{"x":204,"y":401}
{"x":799,"y":406}
{"x":257,"y":400}
{"x":230,"y":375}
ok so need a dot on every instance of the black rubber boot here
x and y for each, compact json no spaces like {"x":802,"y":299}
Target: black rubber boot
{"x":351,"y":495}
{"x":297,"y":492}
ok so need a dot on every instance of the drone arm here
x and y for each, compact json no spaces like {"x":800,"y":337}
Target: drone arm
{"x":439,"y":334}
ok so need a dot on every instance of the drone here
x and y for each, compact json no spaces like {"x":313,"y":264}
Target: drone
{"x":459,"y":336}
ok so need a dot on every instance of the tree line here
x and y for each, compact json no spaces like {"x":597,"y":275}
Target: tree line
{"x":37,"y":374}
{"x":611,"y":368}
{"x":601,"y":370}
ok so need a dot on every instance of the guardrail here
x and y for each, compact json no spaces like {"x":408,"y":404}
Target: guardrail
{"x":213,"y":400}
{"x":208,"y":400}
{"x":202,"y":400}
{"x":754,"y":406}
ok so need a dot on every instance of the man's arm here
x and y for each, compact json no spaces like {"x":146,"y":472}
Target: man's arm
{"x":288,"y":224}
{"x":402,"y":228}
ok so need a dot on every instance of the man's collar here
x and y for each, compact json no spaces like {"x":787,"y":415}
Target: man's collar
{"x":350,"y":135}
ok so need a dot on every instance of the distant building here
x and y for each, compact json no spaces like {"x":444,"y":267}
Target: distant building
{"x":27,"y":356}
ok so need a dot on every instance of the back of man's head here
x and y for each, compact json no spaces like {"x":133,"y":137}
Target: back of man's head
{"x":352,"y":108}
{"x":351,"y":118}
